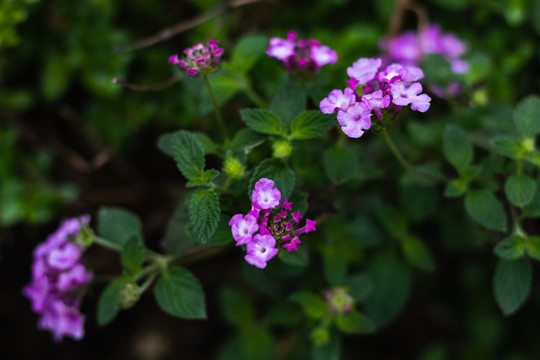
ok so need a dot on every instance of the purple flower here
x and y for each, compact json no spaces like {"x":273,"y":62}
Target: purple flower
{"x":451,"y":46}
{"x":58,"y":276}
{"x":459,"y":66}
{"x":392,"y":73}
{"x":337,"y":100}
{"x":355,"y":120}
{"x":421,"y":103}
{"x":310,"y":226}
{"x":260,"y":250}
{"x":364,"y":69}
{"x":199,"y":59}
{"x":292,"y":245}
{"x":243,"y":228}
{"x":403,"y":95}
{"x":302,"y":56}
{"x":404,"y":48}
{"x":376,"y":100}
{"x":265,"y":196}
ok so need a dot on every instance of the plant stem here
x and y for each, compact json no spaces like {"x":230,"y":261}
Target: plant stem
{"x":404,"y":162}
{"x":106,"y":244}
{"x":216,"y":109}
{"x":252,"y":95}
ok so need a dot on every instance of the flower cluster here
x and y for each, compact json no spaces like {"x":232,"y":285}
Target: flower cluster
{"x":409,"y":48}
{"x":302,"y":56}
{"x":58,"y":278}
{"x":371,"y":90}
{"x":199,"y":59}
{"x":339,"y":300}
{"x":274,"y":221}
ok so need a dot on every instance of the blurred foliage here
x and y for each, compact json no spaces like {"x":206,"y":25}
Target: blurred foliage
{"x":439,"y":264}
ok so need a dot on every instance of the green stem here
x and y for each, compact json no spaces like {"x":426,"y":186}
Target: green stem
{"x":216,"y":109}
{"x":404,"y":162}
{"x":107,"y":244}
{"x":252,"y":95}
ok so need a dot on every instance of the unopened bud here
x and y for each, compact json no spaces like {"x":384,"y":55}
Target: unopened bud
{"x":233,"y":168}
{"x":130,"y":294}
{"x":339,"y":300}
{"x":282,"y":149}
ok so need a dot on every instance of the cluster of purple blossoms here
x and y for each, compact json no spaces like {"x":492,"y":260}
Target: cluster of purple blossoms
{"x":275,"y":222}
{"x":58,"y":280}
{"x":409,"y":48}
{"x":199,"y":59}
{"x":371,"y":90}
{"x":302,"y":56}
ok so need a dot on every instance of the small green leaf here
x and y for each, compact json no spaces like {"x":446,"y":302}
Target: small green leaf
{"x":485,"y":209}
{"x":532,"y":246}
{"x":288,"y":101}
{"x":179,"y":293}
{"x":520,"y":189}
{"x":326,"y":346}
{"x":117,"y":225}
{"x":391,"y":279}
{"x":133,"y":254}
{"x":527,"y":117}
{"x":510,"y":248}
{"x":245,"y":140}
{"x":417,"y":254}
{"x":457,"y":147}
{"x":223,"y":235}
{"x":512,"y":284}
{"x":188,"y":154}
{"x":455,"y":188}
{"x":204,"y":214}
{"x":276,"y":170}
{"x":55,"y":77}
{"x":237,"y":307}
{"x":313,"y":305}
{"x":297,"y":258}
{"x":507,"y":146}
{"x":310,"y":124}
{"x":109,"y":302}
{"x":533,"y":209}
{"x":354,"y":322}
{"x":340,"y":164}
{"x":360,"y":286}
{"x":247,"y":51}
{"x":177,"y":239}
{"x":262,"y":121}
{"x":204,"y":179}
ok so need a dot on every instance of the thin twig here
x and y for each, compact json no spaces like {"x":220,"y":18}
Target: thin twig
{"x":157,"y":87}
{"x":183,"y":26}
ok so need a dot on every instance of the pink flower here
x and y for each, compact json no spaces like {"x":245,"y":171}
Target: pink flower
{"x":292,"y":245}
{"x":364,"y":69}
{"x":280,"y":48}
{"x":337,"y":100}
{"x":310,"y":226}
{"x":355,"y":120}
{"x":421,"y":103}
{"x":403,"y":95}
{"x":62,"y":320}
{"x":243,"y":228}
{"x":199,"y":59}
{"x":265,"y":196}
{"x":260,"y":250}
{"x":323,"y":55}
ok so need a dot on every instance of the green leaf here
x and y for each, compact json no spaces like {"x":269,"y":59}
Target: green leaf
{"x":510,"y":248}
{"x":262,"y":121}
{"x":133,"y":254}
{"x":204,"y":179}
{"x":245,"y":140}
{"x":225,"y":85}
{"x":117,"y":225}
{"x":533,"y":209}
{"x":512,"y":284}
{"x":204,"y":214}
{"x":109,"y":302}
{"x":310,"y":124}
{"x":457,"y":147}
{"x":354,"y":322}
{"x":391,"y":280}
{"x":188,"y":154}
{"x":247,"y":51}
{"x":340,"y":164}
{"x":485,"y":209}
{"x":532,"y":246}
{"x":520,"y":189}
{"x":276,"y":170}
{"x":313,"y":305}
{"x":417,"y":254}
{"x":223,"y":235}
{"x":297,"y":258}
{"x":179,"y":293}
{"x":527,"y":117}
{"x":177,"y":238}
{"x":237,"y":307}
{"x":507,"y":146}
{"x":360,"y":286}
{"x":327,"y":350}
{"x":55,"y":77}
{"x":455,"y":188}
{"x":288,"y":101}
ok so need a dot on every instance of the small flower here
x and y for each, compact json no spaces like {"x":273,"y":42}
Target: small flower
{"x":337,"y":100}
{"x":243,"y":228}
{"x":323,"y":55}
{"x":310,"y":226}
{"x":355,"y":120}
{"x":58,"y":277}
{"x":260,"y":250}
{"x":286,"y":204}
{"x":364,"y":69}
{"x":282,"y":49}
{"x":339,"y":300}
{"x":199,"y":59}
{"x":265,"y":196}
{"x":403,"y":95}
{"x":292,"y":245}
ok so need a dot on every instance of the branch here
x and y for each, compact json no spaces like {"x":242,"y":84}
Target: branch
{"x":184,"y":25}
{"x":157,"y":87}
